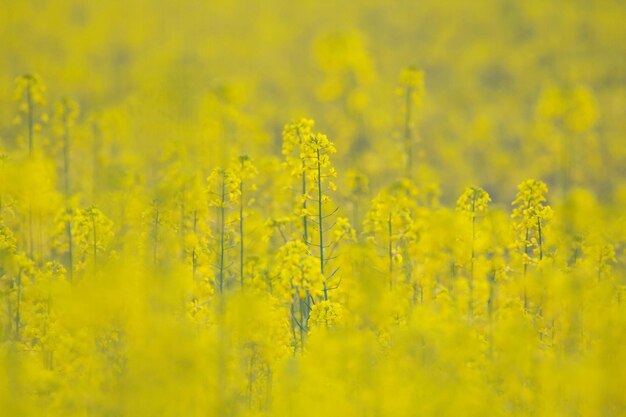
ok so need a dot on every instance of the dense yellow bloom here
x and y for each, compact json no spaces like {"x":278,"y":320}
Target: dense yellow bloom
{"x":298,"y":271}
{"x":296,"y":135}
{"x":473,"y":201}
{"x":391,"y":211}
{"x":93,"y":233}
{"x":7,"y":239}
{"x":342,"y":230}
{"x":530,"y":208}
{"x":222,"y":188}
{"x":326,"y":314}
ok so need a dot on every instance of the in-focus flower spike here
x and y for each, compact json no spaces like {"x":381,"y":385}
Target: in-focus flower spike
{"x":223,"y":193}
{"x":530,"y":215}
{"x":473,"y":202}
{"x":243,"y":171}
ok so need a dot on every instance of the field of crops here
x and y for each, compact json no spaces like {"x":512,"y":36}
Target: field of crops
{"x":310,"y":208}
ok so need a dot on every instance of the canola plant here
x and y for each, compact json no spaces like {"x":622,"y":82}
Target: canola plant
{"x":282,"y":208}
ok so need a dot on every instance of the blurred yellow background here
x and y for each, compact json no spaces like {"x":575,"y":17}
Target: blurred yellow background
{"x":502,"y":78}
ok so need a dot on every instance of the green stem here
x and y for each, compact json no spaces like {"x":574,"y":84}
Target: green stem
{"x":320,"y":220}
{"x":305,"y":228}
{"x":302,"y":324}
{"x":526,"y":268}
{"x":293,"y":325}
{"x":18,"y":306}
{"x":526,"y":253}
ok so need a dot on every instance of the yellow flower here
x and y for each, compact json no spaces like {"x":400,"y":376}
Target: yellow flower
{"x":299,"y":272}
{"x":474,"y":200}
{"x":326,"y":314}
